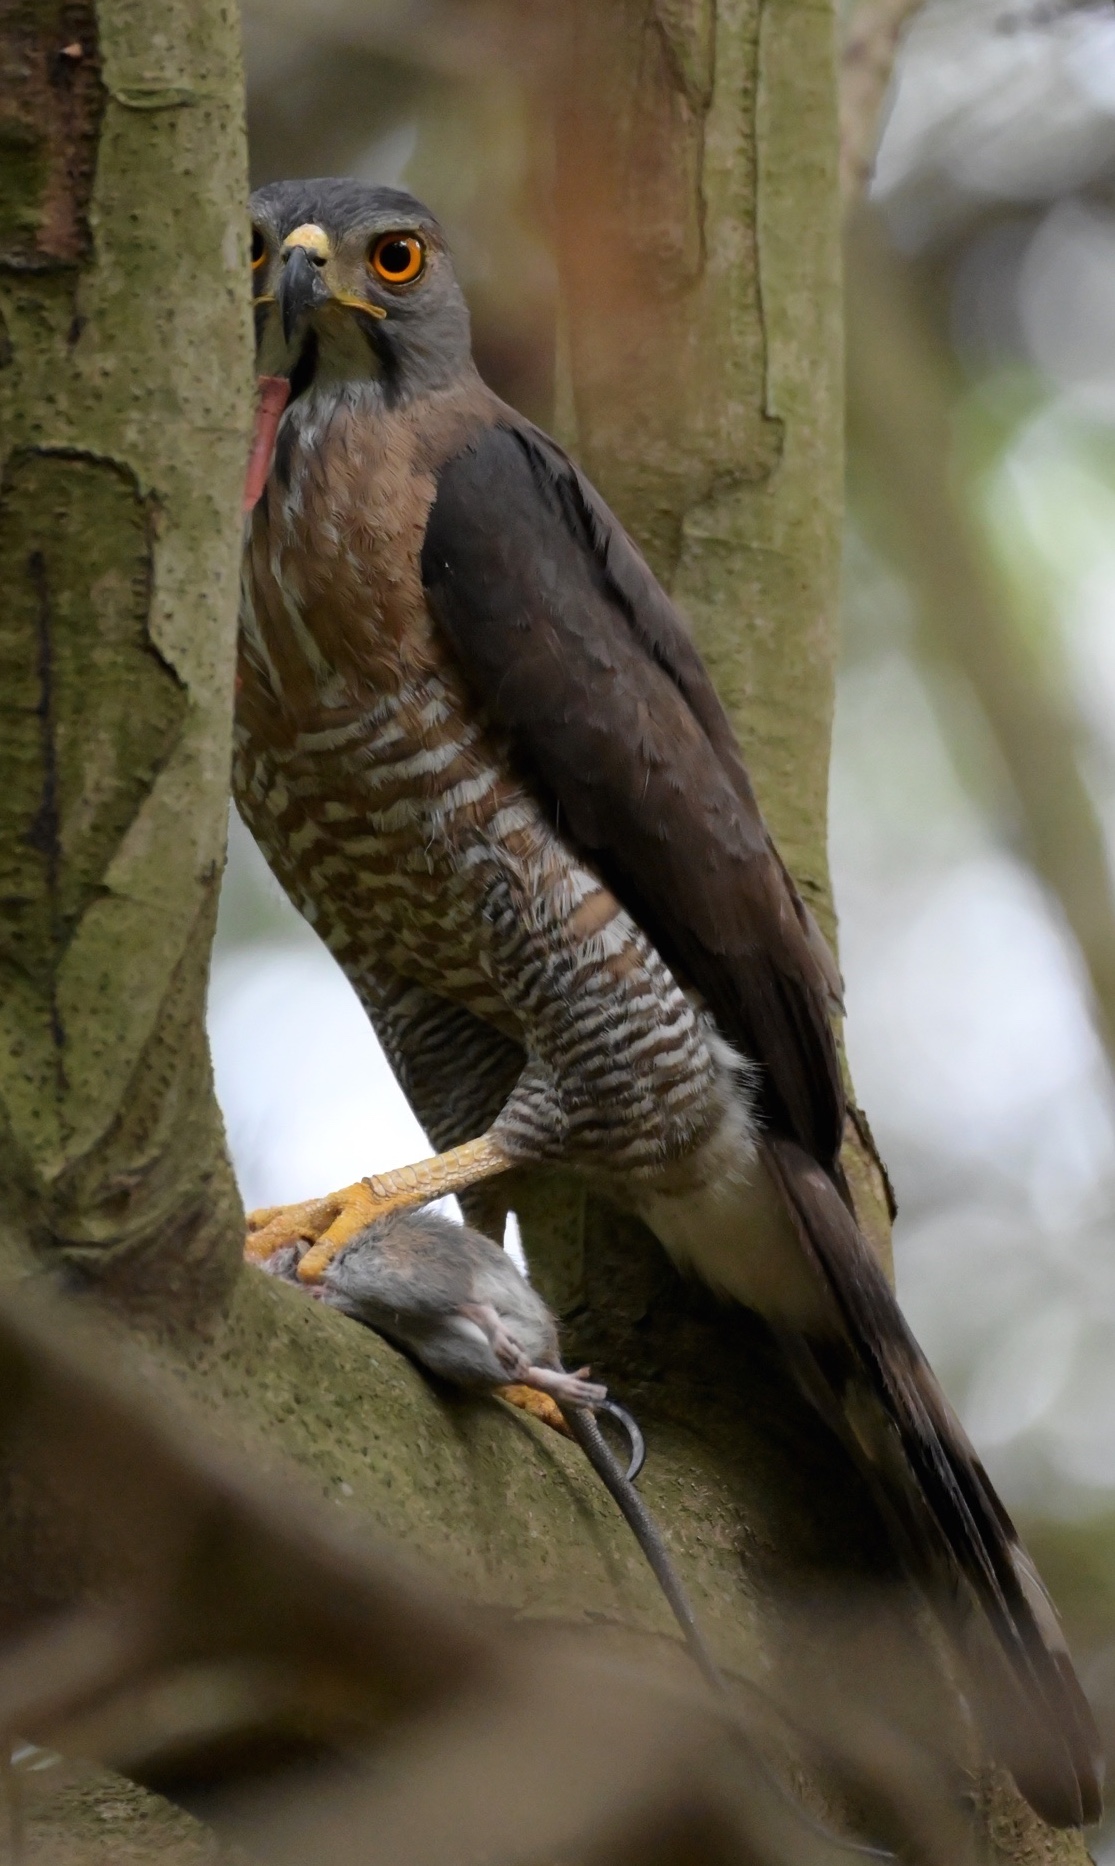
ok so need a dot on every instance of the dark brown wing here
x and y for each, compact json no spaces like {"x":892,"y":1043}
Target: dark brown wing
{"x":571,"y":644}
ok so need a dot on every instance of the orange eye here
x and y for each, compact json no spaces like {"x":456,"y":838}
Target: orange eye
{"x":259,"y":249}
{"x":398,"y":258}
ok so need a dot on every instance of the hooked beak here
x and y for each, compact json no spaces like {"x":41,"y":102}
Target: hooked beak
{"x":301,"y":289}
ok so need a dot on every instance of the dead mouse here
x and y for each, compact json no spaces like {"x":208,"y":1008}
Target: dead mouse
{"x":458,"y":1303}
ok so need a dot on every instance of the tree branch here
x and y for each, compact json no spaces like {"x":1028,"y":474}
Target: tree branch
{"x":900,"y":388}
{"x":867,"y":60}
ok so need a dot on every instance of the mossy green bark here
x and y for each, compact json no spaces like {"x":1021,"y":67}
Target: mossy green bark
{"x":124,"y":406}
{"x":714,"y":427}
{"x":699,"y":238}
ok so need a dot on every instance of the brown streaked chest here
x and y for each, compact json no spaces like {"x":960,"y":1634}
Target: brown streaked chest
{"x":346,"y":687}
{"x":333,"y":608}
{"x":378,"y":791}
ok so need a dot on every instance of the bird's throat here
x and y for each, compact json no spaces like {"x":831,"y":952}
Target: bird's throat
{"x":305,"y":369}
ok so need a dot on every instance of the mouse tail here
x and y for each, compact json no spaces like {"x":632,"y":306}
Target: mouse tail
{"x":636,"y":1443}
{"x":589,"y":1437}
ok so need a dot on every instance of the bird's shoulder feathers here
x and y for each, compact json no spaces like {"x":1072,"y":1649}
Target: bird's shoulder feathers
{"x":573,"y":647}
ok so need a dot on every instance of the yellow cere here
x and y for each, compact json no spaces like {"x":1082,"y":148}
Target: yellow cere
{"x":312,"y":238}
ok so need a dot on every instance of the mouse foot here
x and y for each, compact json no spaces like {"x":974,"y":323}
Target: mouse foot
{"x":568,"y":1389}
{"x":539,"y":1405}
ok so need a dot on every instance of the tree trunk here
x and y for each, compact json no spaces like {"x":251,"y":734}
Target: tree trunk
{"x":698,"y":225}
{"x":125,"y":326}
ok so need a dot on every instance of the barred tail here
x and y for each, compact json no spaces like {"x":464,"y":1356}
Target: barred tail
{"x":935,"y":1491}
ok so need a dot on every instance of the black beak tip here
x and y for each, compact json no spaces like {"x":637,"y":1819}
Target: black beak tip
{"x":301,"y":290}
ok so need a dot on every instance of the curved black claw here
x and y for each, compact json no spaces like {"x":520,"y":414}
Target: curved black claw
{"x":637,"y":1448}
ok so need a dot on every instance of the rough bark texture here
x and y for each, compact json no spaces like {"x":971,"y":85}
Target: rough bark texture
{"x":704,"y":361}
{"x":698,"y":241}
{"x":123,"y":406}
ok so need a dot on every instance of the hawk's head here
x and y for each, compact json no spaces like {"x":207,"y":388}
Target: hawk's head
{"x":353,"y":282}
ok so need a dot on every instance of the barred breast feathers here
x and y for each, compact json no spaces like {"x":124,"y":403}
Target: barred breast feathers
{"x":390,"y":809}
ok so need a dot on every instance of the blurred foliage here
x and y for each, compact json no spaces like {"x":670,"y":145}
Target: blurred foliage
{"x":978,"y":749}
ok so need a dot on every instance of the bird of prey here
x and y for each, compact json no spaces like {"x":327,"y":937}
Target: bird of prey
{"x":482,"y":755}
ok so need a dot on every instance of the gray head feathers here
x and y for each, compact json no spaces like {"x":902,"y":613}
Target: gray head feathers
{"x":327,"y":310}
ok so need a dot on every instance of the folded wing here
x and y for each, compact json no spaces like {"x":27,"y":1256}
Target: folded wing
{"x":571,"y":644}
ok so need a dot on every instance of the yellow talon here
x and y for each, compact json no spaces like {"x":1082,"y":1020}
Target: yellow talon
{"x":336,"y":1217}
{"x":353,"y":1217}
{"x":329,"y":1223}
{"x":539,"y":1405}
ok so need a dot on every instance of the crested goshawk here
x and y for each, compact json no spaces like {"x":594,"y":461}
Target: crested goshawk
{"x":481,"y":753}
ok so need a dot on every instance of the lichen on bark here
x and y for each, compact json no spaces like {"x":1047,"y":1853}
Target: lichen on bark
{"x":125,"y":411}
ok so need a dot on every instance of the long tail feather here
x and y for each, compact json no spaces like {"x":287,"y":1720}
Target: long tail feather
{"x":874,"y":1378}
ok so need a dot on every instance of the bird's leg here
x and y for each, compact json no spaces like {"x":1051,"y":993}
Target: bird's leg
{"x":329,"y":1223}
